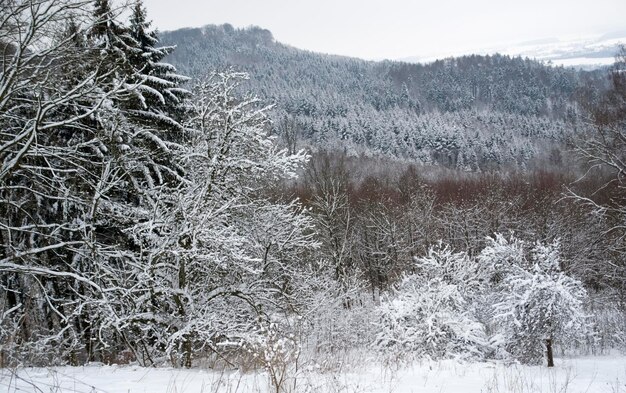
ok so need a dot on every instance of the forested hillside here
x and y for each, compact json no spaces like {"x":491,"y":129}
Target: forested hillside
{"x":472,"y":113}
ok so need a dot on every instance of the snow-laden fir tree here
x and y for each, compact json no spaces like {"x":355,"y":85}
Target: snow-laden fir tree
{"x":63,"y":190}
{"x":158,"y":97}
{"x":77,"y":171}
{"x":154,"y":103}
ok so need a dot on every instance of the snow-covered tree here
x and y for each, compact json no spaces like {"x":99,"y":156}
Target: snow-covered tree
{"x":158,"y":98}
{"x":332,"y":214}
{"x":76,"y":172}
{"x":535,"y":303}
{"x":62,"y":190}
{"x":604,"y":150}
{"x":218,"y":254}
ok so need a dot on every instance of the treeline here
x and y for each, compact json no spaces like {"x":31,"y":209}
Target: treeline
{"x":436,"y":263}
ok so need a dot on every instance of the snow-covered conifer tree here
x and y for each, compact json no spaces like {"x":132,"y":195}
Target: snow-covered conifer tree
{"x":158,"y":97}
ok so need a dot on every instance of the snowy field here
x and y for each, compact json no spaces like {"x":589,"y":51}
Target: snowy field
{"x":587,"y":374}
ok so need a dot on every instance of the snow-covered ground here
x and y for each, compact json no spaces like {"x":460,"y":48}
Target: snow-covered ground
{"x":587,"y":374}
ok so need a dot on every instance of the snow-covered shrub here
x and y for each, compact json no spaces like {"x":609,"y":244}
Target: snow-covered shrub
{"x":275,"y":352}
{"x":493,"y":264}
{"x":429,"y":314}
{"x":337,"y":336}
{"x":608,"y":323}
{"x":336,"y":326}
{"x":534,"y":300}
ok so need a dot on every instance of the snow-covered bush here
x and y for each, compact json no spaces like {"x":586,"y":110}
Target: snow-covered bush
{"x":504,"y":303}
{"x":499,"y":257}
{"x":337,"y":336}
{"x":607,"y":327}
{"x":277,"y":353}
{"x":430,"y":315}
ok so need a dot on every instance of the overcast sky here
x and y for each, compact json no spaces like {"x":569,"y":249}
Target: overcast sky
{"x":399,"y":28}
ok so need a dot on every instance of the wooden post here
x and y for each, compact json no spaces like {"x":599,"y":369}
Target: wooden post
{"x":549,"y":352}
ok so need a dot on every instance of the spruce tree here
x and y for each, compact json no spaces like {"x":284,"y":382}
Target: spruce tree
{"x":158,"y":98}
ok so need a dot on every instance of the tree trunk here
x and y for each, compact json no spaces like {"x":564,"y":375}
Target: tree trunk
{"x":549,"y":352}
{"x":187,"y":354}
